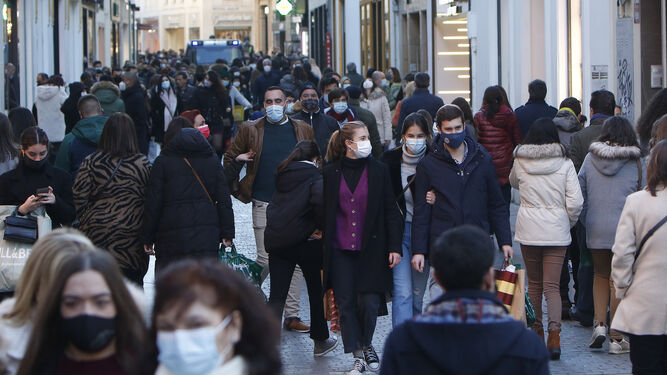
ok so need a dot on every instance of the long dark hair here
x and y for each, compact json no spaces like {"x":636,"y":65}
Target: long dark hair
{"x":304,"y":150}
{"x":618,"y":130}
{"x":506,"y":101}
{"x":183,"y":283}
{"x":119,"y":137}
{"x":8,"y":148}
{"x":493,"y":99}
{"x":217,"y":86}
{"x":175,"y":127}
{"x":46,"y":342}
{"x":465,"y":108}
{"x":543,"y":131}
{"x":32,"y":136}
{"x":21,"y":119}
{"x":655,"y":108}
{"x":656,"y":172}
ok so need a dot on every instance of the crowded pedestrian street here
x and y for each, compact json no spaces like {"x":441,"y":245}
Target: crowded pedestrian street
{"x":349,"y":187}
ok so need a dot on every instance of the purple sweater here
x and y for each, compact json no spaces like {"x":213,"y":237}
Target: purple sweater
{"x":351,"y":214}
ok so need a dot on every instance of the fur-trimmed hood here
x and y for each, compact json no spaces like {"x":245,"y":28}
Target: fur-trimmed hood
{"x":541,"y":159}
{"x":377,"y":93}
{"x":609,"y":159}
{"x":101,"y":85}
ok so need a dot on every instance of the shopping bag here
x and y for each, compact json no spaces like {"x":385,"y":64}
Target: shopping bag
{"x":14,"y":255}
{"x":239,"y":113}
{"x":247,"y":267}
{"x":154,"y":150}
{"x":518,"y":308}
{"x":530,"y":313}
{"x":506,"y":279}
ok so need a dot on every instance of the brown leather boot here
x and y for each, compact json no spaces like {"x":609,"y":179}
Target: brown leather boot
{"x":553,"y":345}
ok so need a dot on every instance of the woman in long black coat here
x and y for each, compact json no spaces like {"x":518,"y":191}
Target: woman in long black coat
{"x":362,"y":237}
{"x":212,"y":101}
{"x":181,"y":217}
{"x":19,"y":186}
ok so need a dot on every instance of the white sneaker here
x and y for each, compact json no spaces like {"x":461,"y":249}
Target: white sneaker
{"x":599,"y":335}
{"x":359,"y":367}
{"x":371,"y":358}
{"x":619,"y":347}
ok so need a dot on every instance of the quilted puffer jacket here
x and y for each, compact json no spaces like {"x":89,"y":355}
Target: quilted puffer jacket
{"x":499,"y":135}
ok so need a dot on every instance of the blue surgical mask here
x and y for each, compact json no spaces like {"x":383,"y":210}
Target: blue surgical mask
{"x":166,"y":85}
{"x":454,"y":140}
{"x":225,"y":82}
{"x":340,"y":107}
{"x":192,"y":351}
{"x":275,"y":113}
{"x":416,"y":146}
{"x":288,"y":110}
{"x":325,"y":97}
{"x":207,"y":83}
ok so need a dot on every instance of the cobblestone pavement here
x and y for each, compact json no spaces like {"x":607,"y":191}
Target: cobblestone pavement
{"x":297,"y":348}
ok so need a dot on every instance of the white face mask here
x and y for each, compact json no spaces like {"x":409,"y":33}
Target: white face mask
{"x":275,"y":113}
{"x":207,"y":83}
{"x":416,"y":146}
{"x":237,"y":84}
{"x":340,"y":107}
{"x":383,"y":83}
{"x":192,"y":351}
{"x":363,"y":149}
{"x":368,"y":84}
{"x":122,"y":86}
{"x":252,"y":66}
{"x":267,"y":68}
{"x":166,"y":85}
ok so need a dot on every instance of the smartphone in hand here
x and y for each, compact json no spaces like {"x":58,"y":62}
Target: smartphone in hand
{"x":44,"y":190}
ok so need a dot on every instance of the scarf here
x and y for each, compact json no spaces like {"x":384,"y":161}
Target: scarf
{"x":170,"y":102}
{"x":342,"y":118}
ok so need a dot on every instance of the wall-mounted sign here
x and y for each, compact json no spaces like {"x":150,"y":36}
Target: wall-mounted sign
{"x":284,"y":7}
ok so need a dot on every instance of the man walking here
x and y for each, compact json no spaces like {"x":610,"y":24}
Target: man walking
{"x":535,"y":108}
{"x":420,"y":99}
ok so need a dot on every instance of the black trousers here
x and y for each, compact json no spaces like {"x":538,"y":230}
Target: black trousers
{"x":308,"y":255}
{"x":648,"y":354}
{"x":358,"y":311}
{"x":584,"y":300}
{"x":507,"y":192}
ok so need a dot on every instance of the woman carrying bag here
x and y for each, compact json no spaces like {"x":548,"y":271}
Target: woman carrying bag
{"x":293,"y":236}
{"x":362,"y":238}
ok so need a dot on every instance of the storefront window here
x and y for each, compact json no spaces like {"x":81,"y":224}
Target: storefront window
{"x":452,"y":59}
{"x":375,"y":43}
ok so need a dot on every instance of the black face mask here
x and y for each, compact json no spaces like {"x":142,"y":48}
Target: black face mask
{"x":34,"y":164}
{"x":89,"y":333}
{"x":310,"y":104}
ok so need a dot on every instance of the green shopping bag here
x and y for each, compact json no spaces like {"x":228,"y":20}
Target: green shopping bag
{"x":530,"y":313}
{"x":247,"y":267}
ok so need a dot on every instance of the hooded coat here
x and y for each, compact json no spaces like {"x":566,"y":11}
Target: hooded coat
{"x":567,"y":124}
{"x":179,"y":217}
{"x":134,"y":98}
{"x":109,"y":96}
{"x":442,"y":346}
{"x":295,"y":210}
{"x":80,"y":143}
{"x":608,"y":175}
{"x":323,"y":127}
{"x":499,"y":135}
{"x":48,"y":101}
{"x":466,"y":193}
{"x":551,"y":199}
{"x":70,"y":107}
{"x":378,"y":104}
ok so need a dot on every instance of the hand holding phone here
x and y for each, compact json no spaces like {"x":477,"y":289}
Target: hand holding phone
{"x":46,"y":195}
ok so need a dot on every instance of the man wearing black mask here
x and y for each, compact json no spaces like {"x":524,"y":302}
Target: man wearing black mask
{"x":322,"y":125}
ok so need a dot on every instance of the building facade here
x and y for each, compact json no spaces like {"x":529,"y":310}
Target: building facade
{"x":64,"y":36}
{"x":172,"y":24}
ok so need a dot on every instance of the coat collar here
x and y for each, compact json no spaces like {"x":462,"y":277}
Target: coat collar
{"x":605,"y":150}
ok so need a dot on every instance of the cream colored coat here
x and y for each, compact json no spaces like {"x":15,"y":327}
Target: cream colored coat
{"x":551,"y":198}
{"x":641,"y":285}
{"x":378,"y":104}
{"x":235,"y":366}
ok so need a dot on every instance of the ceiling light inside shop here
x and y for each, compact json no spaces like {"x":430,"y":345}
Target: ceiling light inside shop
{"x":451,"y":92}
{"x":455,"y":68}
{"x":464,"y":76}
{"x":453,"y":53}
{"x":463,"y":45}
{"x":459,"y":22}
{"x":455,"y":37}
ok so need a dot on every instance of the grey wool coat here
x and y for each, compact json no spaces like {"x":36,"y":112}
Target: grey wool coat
{"x":608,"y":175}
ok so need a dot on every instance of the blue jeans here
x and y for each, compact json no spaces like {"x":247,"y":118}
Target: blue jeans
{"x":409,"y":284}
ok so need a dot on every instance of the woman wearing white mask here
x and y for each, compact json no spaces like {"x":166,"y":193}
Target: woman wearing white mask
{"x":375,"y":100}
{"x":362,"y":238}
{"x":209,"y":321}
{"x":165,"y":105}
{"x":234,"y":94}
{"x":409,"y":284}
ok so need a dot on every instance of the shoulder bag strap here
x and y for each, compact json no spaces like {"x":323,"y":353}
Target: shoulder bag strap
{"x":199,"y":180}
{"x":649,"y":234}
{"x":106,"y":184}
{"x":639,"y":174}
{"x":407,"y":186}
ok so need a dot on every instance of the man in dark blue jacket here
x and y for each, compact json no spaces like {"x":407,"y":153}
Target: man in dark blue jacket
{"x":270,"y":77}
{"x":460,"y":174}
{"x":467,"y":330}
{"x":535,"y":108}
{"x":420,"y":99}
{"x":323,"y":126}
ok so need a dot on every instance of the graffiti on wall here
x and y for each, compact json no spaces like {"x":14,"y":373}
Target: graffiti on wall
{"x":624,"y":84}
{"x":625,"y":67}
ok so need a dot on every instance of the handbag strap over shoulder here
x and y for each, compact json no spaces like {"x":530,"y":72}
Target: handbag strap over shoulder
{"x":199,"y":180}
{"x":106,"y":184}
{"x":649,"y":234}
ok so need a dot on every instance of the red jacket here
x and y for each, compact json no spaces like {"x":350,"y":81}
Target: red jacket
{"x":499,"y":135}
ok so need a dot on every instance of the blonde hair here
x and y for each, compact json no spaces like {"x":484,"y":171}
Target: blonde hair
{"x":337,"y":149}
{"x":44,"y":263}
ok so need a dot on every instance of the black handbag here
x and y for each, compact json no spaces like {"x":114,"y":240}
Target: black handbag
{"x":21,"y":229}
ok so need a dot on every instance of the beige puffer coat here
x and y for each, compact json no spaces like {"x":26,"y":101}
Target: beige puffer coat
{"x":551,"y":198}
{"x":378,"y":104}
{"x":641,"y":284}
